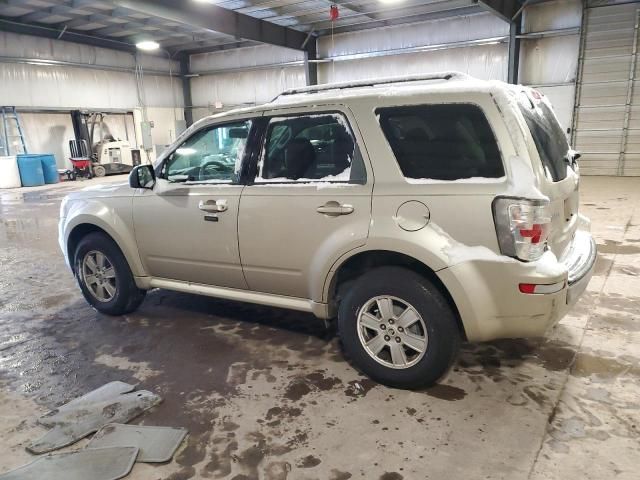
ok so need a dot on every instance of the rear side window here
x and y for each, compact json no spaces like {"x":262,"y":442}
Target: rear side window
{"x":309,"y":148}
{"x":442,"y":142}
{"x":548,"y":136}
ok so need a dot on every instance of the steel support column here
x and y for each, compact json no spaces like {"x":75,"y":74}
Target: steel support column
{"x":186,"y":90}
{"x":514,"y":51}
{"x":311,"y":68}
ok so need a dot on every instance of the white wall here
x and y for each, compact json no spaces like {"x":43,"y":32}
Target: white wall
{"x":550,"y":63}
{"x":234,"y":89}
{"x":243,"y":88}
{"x":550,"y":60}
{"x":544,"y":62}
{"x":62,"y":86}
{"x":231,"y":89}
{"x":485,"y":61}
{"x":48,"y":133}
{"x":86,"y":85}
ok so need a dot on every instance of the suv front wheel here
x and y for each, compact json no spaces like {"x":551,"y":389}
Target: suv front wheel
{"x":104,"y":276}
{"x":398,"y":328}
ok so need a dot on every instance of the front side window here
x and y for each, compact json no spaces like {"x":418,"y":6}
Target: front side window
{"x":441,"y":142}
{"x":308,"y":148}
{"x":211,"y":155}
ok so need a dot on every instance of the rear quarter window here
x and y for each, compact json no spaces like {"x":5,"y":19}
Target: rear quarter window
{"x":441,"y":142}
{"x":548,"y":137}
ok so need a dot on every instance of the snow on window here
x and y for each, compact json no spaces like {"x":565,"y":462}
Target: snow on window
{"x":307,"y":148}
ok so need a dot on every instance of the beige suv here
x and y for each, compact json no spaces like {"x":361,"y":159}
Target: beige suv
{"x":418,"y":212}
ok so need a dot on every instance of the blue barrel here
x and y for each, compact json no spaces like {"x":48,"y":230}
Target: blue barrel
{"x":31,"y":173}
{"x":49,"y":168}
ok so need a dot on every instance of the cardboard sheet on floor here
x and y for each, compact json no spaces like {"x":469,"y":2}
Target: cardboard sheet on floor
{"x":71,"y":423}
{"x":95,"y":464}
{"x":156,"y":444}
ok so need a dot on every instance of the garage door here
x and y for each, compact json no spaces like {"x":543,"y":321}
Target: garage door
{"x":607,"y":113}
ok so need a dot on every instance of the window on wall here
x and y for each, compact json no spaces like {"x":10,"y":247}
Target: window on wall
{"x":442,"y":142}
{"x":213,"y":154}
{"x":306,"y":148}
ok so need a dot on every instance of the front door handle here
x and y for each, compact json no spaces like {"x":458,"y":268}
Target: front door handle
{"x":213,"y":206}
{"x":334,"y":209}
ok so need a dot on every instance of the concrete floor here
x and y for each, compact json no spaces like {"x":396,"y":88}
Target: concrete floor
{"x":266,"y":394}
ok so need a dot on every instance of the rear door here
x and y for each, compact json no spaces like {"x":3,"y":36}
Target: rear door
{"x":310,"y":201}
{"x":561,"y":179}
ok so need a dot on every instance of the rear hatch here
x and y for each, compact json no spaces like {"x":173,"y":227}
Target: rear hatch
{"x":561,"y":179}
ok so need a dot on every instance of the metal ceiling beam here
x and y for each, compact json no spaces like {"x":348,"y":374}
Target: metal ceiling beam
{"x":422,"y":17}
{"x":193,"y":50}
{"x":505,"y":9}
{"x":220,"y":20}
{"x":10,"y":25}
{"x":351,"y":8}
{"x":394,"y":12}
{"x":181,"y":45}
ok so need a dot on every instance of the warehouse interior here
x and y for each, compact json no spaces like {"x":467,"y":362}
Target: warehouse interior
{"x":265,"y":393}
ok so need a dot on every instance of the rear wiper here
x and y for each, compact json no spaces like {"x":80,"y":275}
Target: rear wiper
{"x":572,"y":157}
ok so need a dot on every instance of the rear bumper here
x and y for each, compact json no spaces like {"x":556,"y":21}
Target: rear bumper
{"x":580,"y":262}
{"x":491,"y":305}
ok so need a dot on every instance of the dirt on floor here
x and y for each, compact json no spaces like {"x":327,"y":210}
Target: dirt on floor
{"x":267,"y":394}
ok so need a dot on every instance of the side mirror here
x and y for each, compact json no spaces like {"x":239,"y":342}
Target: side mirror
{"x":142,"y":176}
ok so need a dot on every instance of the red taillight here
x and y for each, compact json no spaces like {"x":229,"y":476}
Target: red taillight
{"x":535,"y":233}
{"x":522,"y":226}
{"x":541,"y":288}
{"x":527,"y":287}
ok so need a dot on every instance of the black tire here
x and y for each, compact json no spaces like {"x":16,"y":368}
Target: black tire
{"x":99,"y":171}
{"x":427,"y":300}
{"x":128,"y":296}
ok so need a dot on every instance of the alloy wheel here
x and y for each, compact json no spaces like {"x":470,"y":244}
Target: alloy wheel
{"x":99,"y":276}
{"x":392,"y":332}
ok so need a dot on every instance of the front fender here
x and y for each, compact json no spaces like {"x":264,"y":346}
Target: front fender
{"x":114,"y":217}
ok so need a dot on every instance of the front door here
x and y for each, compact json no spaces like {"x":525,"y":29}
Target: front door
{"x":310,"y":202}
{"x":186,"y":227}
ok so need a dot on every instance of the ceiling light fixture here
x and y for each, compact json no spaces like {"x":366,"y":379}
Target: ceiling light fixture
{"x":148,"y":45}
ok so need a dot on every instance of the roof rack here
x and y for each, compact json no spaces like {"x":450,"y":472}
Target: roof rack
{"x":376,"y":82}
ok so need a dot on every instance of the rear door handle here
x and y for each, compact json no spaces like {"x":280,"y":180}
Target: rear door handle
{"x":213,"y":206}
{"x":334,"y":209}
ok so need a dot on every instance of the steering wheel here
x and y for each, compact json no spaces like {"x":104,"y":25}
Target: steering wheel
{"x":212,"y":168}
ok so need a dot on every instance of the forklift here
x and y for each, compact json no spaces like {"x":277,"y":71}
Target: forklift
{"x":105,"y":156}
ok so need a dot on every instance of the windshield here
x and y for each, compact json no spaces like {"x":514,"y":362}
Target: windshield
{"x":549,"y":138}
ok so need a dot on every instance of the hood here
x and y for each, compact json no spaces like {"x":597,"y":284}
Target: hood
{"x":112,"y":190}
{"x":120,"y":189}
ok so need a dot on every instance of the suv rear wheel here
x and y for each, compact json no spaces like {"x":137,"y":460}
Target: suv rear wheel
{"x":398,"y":328}
{"x":104,"y":276}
